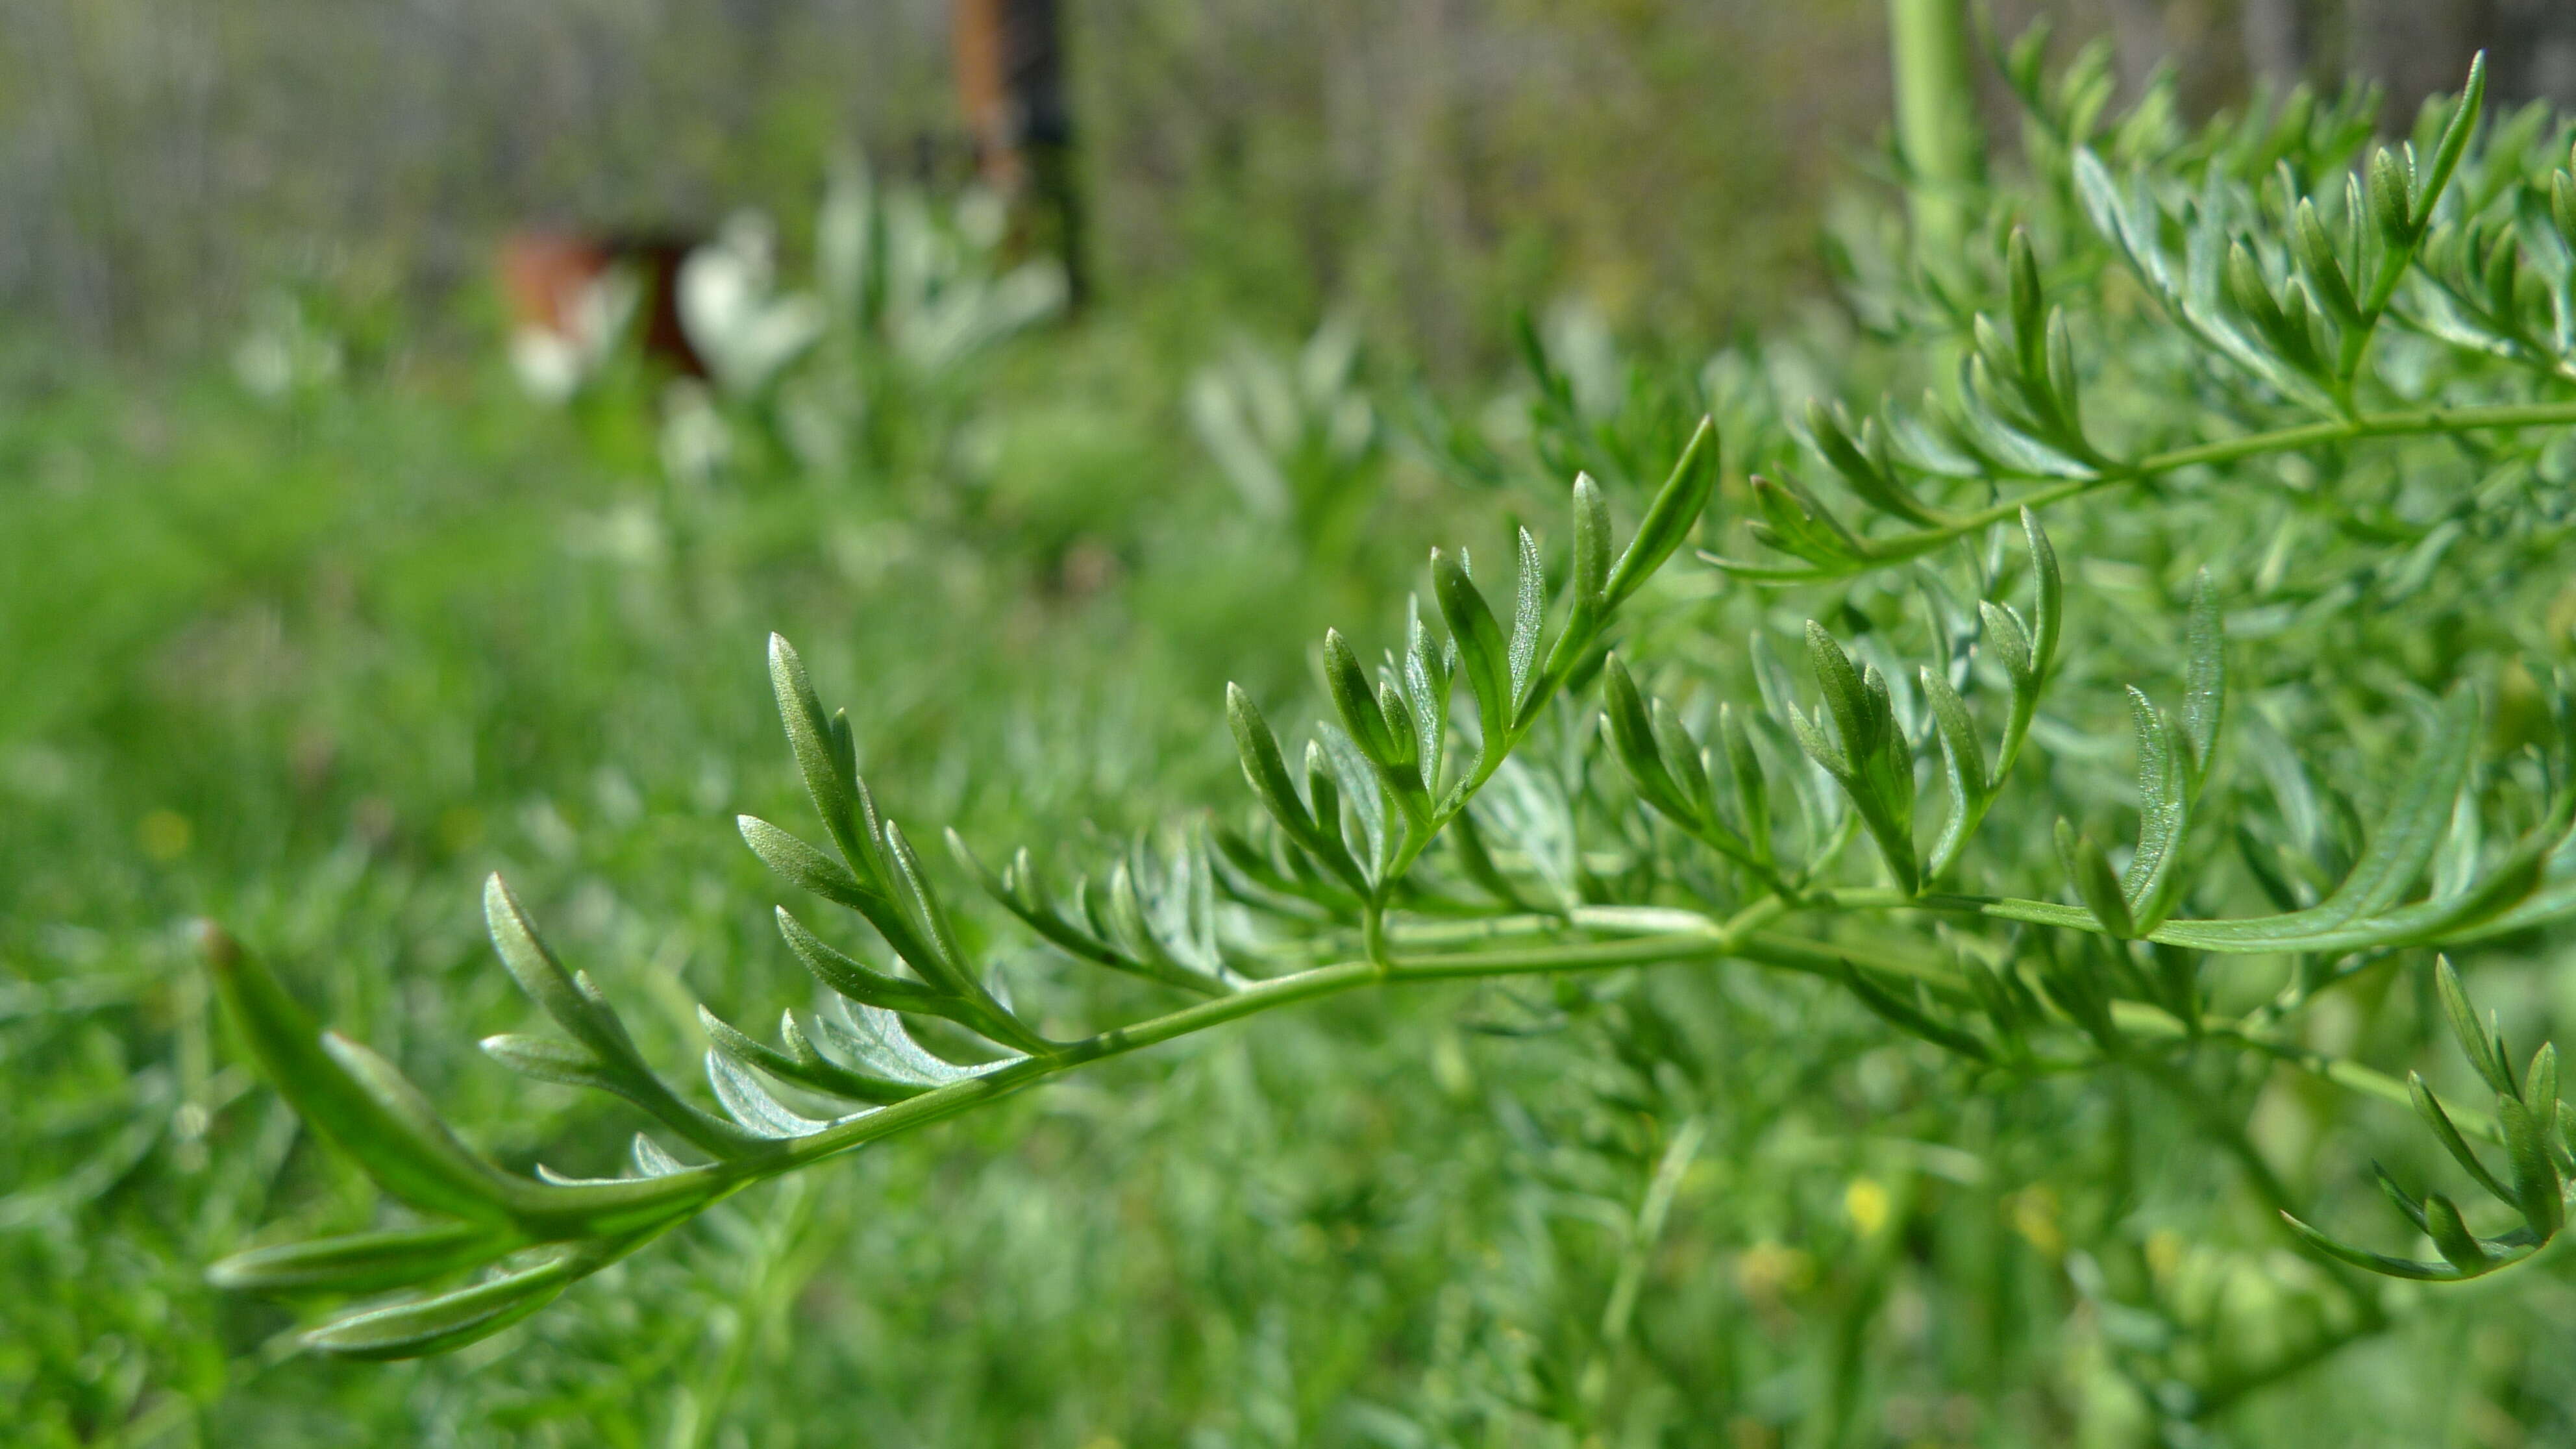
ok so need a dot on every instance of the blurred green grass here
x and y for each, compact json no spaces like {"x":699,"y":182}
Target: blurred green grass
{"x":314,"y":666}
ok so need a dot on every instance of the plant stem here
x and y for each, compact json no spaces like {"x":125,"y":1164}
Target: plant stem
{"x":647,"y":1207}
{"x":690,"y":1190}
{"x":2412,"y":423}
{"x":1373,"y":935}
{"x":1304,"y":986}
{"x":1645,"y":1232}
{"x":1936,"y":117}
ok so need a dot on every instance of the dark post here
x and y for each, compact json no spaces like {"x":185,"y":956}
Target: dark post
{"x":1010,"y":75}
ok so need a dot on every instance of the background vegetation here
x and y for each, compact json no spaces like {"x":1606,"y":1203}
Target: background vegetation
{"x":312,"y":656}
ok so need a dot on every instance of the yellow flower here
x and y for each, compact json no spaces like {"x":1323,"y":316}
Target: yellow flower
{"x":1868,"y":1204}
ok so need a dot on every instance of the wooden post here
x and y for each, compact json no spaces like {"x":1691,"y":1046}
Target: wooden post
{"x":1010,"y":78}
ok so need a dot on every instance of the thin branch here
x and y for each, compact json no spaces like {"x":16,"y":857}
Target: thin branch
{"x":2413,"y":423}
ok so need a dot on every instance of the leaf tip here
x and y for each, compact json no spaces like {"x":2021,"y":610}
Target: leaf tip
{"x":216,"y":946}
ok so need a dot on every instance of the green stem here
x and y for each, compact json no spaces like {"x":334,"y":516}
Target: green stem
{"x":1936,"y":116}
{"x":1286,"y":990}
{"x":1645,"y":1232}
{"x":647,"y":1207}
{"x":2354,"y":1077}
{"x":642,"y":1209}
{"x":1373,"y":935}
{"x":779,"y":1273}
{"x":2411,"y":423}
{"x":1824,"y":958}
{"x":2227,"y":1390}
{"x":1480,"y":928}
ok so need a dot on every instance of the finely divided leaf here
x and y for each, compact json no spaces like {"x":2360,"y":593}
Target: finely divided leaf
{"x":1669,"y":517}
{"x":2204,"y":701}
{"x":362,"y":1262}
{"x":1529,"y":611}
{"x":351,"y":1095}
{"x":425,"y":1326}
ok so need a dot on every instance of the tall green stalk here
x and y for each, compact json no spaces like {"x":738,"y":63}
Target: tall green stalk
{"x":1936,"y":117}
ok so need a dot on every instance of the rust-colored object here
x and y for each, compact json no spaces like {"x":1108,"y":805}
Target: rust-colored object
{"x":544,"y":273}
{"x":982,"y":90}
{"x":1010,"y":80}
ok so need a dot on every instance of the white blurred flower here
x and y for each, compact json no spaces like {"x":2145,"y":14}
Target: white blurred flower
{"x":696,"y":444}
{"x":1255,"y":411}
{"x":554,"y":363}
{"x":746,"y":332}
{"x":942,"y":302}
{"x":548,"y":367}
{"x":1580,"y":344}
{"x":982,"y":217}
{"x":845,"y":237}
{"x":284,"y":352}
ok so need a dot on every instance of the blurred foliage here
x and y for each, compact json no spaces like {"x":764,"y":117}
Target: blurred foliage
{"x":162,"y":165}
{"x":312,"y":640}
{"x":326,"y":671}
{"x":1424,"y":166}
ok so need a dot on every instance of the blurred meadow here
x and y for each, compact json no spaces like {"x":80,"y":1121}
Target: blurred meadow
{"x":330,"y":583}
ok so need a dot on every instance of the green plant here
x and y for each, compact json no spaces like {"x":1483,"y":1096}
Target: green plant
{"x":867,"y":370}
{"x":1297,"y":438}
{"x":911,"y":299}
{"x":423,"y":557}
{"x":1151,"y":918}
{"x":2332,"y":426}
